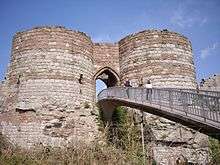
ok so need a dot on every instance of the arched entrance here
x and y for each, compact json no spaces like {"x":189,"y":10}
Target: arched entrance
{"x":105,"y":78}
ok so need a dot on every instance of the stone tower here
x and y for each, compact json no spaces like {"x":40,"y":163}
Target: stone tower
{"x":50,"y":88}
{"x":163,"y":57}
{"x":51,"y":62}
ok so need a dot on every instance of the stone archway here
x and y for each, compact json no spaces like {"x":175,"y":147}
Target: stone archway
{"x":108,"y":76}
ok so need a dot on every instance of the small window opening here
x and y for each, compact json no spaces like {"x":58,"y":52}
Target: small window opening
{"x":80,"y":78}
{"x":19,"y":81}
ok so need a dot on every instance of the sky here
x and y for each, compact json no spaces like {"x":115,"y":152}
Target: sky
{"x":111,"y":20}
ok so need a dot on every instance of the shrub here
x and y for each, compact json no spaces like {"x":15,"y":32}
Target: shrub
{"x":124,"y":134}
{"x":81,"y":153}
{"x":214,"y":146}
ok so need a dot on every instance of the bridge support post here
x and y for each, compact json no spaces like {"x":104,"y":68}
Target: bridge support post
{"x":142,"y":138}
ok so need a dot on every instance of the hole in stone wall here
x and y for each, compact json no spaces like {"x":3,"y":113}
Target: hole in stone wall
{"x":81,"y":79}
{"x":18,"y":80}
{"x":24,"y":110}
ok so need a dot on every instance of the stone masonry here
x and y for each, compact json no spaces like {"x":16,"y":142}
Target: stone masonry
{"x":1,"y":97}
{"x":212,"y":83}
{"x":48,"y":97}
{"x":50,"y":88}
{"x":165,"y":58}
{"x":106,"y":55}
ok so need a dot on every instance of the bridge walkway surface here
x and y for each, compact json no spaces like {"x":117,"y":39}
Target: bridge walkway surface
{"x":197,"y":110}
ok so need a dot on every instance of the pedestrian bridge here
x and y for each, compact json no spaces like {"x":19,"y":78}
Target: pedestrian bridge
{"x":197,"y":110}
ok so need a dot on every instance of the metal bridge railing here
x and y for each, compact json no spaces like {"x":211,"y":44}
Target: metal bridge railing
{"x":206,"y":105}
{"x":204,"y":92}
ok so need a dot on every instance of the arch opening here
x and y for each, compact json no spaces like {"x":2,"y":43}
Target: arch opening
{"x":106,"y":78}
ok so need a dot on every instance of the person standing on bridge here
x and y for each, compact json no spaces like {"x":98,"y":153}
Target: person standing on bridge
{"x":149,"y":89}
{"x":127,"y":84}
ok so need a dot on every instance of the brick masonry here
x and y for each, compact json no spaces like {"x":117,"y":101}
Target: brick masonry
{"x":49,"y":91}
{"x":50,"y":77}
{"x":163,"y":57}
{"x":47,"y":62}
{"x":106,"y":55}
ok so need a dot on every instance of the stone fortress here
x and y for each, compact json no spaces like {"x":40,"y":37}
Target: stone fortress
{"x":48,"y":95}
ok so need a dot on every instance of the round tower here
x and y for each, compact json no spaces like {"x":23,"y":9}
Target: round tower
{"x":51,"y":63}
{"x":163,"y":57}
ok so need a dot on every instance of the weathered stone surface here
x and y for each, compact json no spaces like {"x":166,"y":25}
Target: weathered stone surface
{"x":106,"y":55}
{"x":167,"y":141}
{"x":50,"y":77}
{"x":48,"y":128}
{"x":1,"y":97}
{"x":163,"y":57}
{"x":166,"y":155}
{"x":48,"y":62}
{"x":3,"y":94}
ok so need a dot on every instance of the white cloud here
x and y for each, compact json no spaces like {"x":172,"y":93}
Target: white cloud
{"x":209,"y":51}
{"x":185,"y":17}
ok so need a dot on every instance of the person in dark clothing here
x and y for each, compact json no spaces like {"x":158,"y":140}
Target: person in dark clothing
{"x":149,"y":90}
{"x":127,"y":84}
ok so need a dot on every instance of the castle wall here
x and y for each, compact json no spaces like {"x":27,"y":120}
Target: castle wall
{"x":54,"y":125}
{"x":163,"y":57}
{"x":106,"y":55}
{"x":1,"y":97}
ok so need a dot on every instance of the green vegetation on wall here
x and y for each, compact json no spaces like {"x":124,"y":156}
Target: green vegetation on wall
{"x":124,"y":134}
{"x":214,"y":146}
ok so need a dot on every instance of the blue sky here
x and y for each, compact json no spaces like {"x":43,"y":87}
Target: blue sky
{"x":110,"y":20}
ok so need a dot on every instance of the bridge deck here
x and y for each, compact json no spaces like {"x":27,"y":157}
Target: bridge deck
{"x":198,"y":111}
